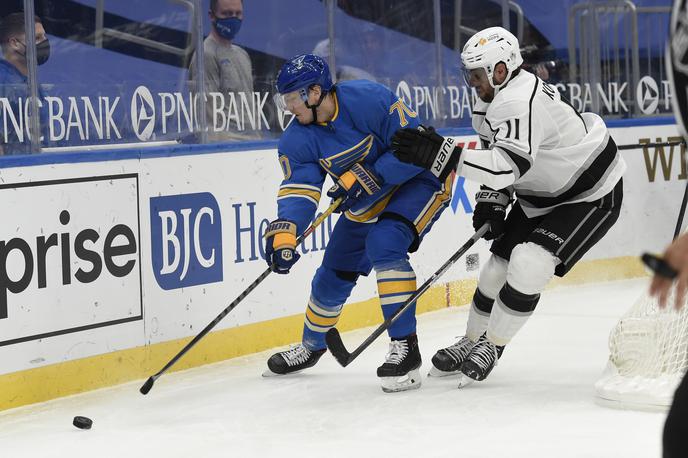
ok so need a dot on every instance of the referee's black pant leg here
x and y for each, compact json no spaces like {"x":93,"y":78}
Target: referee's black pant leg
{"x":675,"y":438}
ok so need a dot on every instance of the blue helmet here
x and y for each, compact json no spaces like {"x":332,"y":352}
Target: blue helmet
{"x":302,"y":72}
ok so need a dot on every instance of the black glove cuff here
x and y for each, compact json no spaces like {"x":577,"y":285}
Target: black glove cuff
{"x":492,"y":197}
{"x":446,"y":159}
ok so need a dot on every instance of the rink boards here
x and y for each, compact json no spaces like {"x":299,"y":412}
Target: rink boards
{"x":109,"y":261}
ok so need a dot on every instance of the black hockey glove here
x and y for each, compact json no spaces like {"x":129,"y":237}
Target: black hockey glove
{"x":490,"y":208}
{"x":426,"y":148}
{"x":354,"y":185}
{"x":280,"y":246}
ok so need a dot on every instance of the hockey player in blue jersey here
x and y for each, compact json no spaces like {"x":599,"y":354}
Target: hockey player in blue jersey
{"x":344,"y":131}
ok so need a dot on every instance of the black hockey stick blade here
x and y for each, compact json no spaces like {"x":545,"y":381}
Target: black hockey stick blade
{"x":659,"y":266}
{"x":147,"y":386}
{"x":336,"y":347}
{"x":333,"y":339}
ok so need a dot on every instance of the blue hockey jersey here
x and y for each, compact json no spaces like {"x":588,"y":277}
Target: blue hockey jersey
{"x":366,"y":116}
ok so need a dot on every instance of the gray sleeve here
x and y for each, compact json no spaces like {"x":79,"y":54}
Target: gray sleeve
{"x":212,"y":72}
{"x":247,"y":71}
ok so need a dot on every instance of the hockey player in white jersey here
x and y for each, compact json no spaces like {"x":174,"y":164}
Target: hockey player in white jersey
{"x":558,"y":169}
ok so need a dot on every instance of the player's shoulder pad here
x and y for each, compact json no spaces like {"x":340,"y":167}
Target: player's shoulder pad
{"x":297,"y":143}
{"x":518,"y":91}
{"x":501,"y":110}
{"x":371,"y":102}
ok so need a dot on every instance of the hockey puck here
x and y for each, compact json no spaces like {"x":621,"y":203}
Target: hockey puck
{"x":82,"y":422}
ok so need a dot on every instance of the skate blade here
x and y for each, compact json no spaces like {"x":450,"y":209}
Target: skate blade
{"x":268,"y":373}
{"x":435,"y":372}
{"x":410,"y":381}
{"x":464,"y":381}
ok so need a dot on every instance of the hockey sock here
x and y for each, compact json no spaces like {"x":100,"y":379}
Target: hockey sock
{"x":319,"y":319}
{"x":479,"y":315}
{"x":329,"y":291}
{"x":492,"y":278}
{"x":531,"y":267}
{"x":510,"y":312}
{"x":395,"y":285}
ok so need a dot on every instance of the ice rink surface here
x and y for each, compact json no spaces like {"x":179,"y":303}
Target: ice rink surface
{"x":538,"y":402}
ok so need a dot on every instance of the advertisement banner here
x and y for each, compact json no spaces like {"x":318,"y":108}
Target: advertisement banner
{"x":144,"y":112}
{"x":183,"y":235}
{"x":73,"y":262}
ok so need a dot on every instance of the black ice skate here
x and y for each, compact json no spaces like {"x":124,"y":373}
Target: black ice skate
{"x":400,"y":369}
{"x":295,"y":359}
{"x":480,"y":361}
{"x":447,"y":361}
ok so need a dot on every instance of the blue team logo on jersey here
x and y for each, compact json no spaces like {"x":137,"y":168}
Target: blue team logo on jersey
{"x":186,"y":240}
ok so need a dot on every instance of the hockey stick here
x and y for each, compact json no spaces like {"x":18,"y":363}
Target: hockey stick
{"x":657,"y":264}
{"x":648,"y":145}
{"x":681,"y":213}
{"x":334,"y":339}
{"x":151,"y":380}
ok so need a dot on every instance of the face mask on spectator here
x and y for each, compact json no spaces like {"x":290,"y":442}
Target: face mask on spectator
{"x":42,"y":51}
{"x":227,"y":27}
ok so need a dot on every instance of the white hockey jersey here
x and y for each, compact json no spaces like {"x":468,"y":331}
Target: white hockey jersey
{"x":541,"y":146}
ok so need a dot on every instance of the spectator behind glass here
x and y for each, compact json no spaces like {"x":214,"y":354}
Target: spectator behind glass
{"x":228,"y":72}
{"x":363,"y":48}
{"x":537,"y":62}
{"x":343,"y":72}
{"x":13,"y":77}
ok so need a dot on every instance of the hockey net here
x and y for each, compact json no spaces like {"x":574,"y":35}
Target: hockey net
{"x":648,"y":356}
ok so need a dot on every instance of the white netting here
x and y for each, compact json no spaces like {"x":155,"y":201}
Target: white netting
{"x":648,"y":355}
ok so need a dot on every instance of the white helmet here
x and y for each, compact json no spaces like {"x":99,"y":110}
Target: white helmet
{"x":489,"y":47}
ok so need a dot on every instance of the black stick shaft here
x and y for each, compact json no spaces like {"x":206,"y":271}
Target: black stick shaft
{"x":681,"y":213}
{"x":419,"y":292}
{"x":241,"y":297}
{"x":659,"y":266}
{"x":214,"y":323}
{"x":648,"y":145}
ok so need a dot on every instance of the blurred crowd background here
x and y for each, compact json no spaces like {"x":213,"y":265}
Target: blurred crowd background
{"x":109,"y":73}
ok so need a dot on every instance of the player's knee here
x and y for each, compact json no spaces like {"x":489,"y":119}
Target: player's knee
{"x":492,"y":276}
{"x":531,"y":267}
{"x":388,"y":241}
{"x":331,"y":288}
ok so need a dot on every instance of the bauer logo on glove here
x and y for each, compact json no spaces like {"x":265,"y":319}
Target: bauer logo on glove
{"x":490,"y":207}
{"x":443,"y":156}
{"x":355,"y":184}
{"x":280,"y":246}
{"x":488,"y":195}
{"x":426,"y":148}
